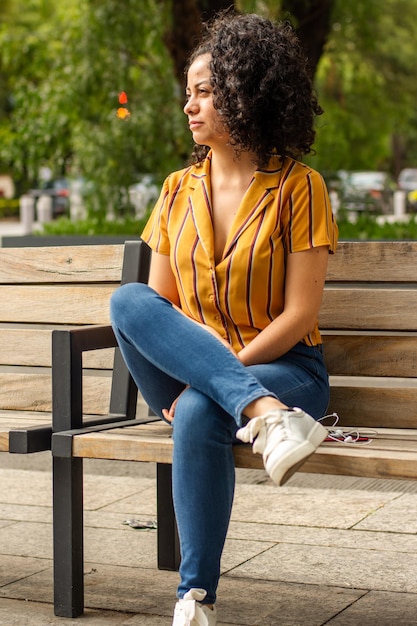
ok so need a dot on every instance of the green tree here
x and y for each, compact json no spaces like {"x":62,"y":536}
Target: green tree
{"x":311,"y":18}
{"x":62,"y":66}
{"x":366,"y":85}
{"x":26,"y":33}
{"x":65,"y":78}
{"x":120,"y":48}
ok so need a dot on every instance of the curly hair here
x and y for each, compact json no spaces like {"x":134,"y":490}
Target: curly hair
{"x":261,"y":86}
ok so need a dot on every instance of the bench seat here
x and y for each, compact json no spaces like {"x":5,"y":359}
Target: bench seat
{"x":387,"y":455}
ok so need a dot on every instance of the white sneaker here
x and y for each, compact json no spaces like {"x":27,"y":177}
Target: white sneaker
{"x":285,"y":438}
{"x":189,"y":611}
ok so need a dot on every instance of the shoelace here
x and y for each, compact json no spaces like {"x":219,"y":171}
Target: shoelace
{"x":189,"y":607}
{"x":256,"y":432}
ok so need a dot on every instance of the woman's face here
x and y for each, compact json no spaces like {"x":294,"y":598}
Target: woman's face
{"x":203,"y":119}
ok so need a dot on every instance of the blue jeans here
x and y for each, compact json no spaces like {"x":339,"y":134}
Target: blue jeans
{"x":165,"y":351}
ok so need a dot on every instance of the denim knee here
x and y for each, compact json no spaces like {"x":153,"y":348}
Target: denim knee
{"x":122,"y":309}
{"x":199,"y":420}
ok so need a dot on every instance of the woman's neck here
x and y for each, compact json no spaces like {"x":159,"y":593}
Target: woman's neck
{"x":228,"y":170}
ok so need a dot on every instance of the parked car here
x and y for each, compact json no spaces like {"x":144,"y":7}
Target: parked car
{"x":368,"y":191}
{"x":407,"y":181}
{"x":58,"y":190}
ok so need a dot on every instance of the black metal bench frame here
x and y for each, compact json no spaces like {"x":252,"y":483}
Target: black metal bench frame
{"x":68,"y":347}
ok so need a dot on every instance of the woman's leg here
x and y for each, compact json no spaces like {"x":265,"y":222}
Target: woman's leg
{"x":203,"y":488}
{"x":183,"y":350}
{"x":287,"y":437}
{"x":203,"y":464}
{"x":152,"y":339}
{"x":298,"y":378}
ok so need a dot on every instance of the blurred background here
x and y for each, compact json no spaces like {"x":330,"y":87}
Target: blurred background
{"x":65,"y":153}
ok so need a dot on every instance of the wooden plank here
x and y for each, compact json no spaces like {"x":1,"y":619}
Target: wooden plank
{"x":370,"y":354}
{"x":61,"y":264}
{"x":366,"y":261}
{"x":23,"y":417}
{"x":393,"y":459}
{"x":369,"y":309}
{"x":123,"y":445}
{"x":371,"y":261}
{"x":24,"y":346}
{"x":365,"y":462}
{"x":33,"y":392}
{"x":67,"y":304}
{"x":4,"y":441}
{"x":374,"y":406}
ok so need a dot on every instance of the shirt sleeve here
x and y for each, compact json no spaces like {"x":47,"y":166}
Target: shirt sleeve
{"x":307,"y":216}
{"x":155,"y":233}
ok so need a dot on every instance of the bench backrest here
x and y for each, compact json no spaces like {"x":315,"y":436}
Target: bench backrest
{"x":368,"y":321}
{"x":44,"y":288}
{"x":369,"y":325}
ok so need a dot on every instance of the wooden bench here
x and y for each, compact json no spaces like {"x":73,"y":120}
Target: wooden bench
{"x":41,"y":289}
{"x":369,"y":325}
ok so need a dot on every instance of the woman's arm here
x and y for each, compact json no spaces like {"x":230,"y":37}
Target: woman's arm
{"x":304,"y":284}
{"x":161,"y":277}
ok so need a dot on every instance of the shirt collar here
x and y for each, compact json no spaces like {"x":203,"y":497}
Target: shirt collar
{"x":268,"y":177}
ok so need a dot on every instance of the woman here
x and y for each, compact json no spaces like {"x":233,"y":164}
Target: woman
{"x":224,"y":342}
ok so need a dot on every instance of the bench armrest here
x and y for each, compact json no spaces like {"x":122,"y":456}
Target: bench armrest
{"x":67,"y":349}
{"x":67,"y":377}
{"x":31,"y":439}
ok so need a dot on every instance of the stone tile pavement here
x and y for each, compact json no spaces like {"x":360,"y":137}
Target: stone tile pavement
{"x":317,"y":551}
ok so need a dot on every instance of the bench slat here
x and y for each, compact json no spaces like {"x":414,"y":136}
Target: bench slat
{"x":11,"y":420}
{"x":387,"y":455}
{"x":51,"y":304}
{"x":369,"y":463}
{"x":379,"y":309}
{"x":118,"y":444}
{"x":33,"y":348}
{"x":370,"y":355}
{"x":374,"y":407}
{"x":26,"y":392}
{"x":61,"y":264}
{"x":369,"y":261}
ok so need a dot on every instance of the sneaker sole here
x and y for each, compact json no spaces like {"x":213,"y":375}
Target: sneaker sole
{"x":286,"y":466}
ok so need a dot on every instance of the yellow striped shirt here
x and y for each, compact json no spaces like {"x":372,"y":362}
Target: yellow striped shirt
{"x":285,"y":209}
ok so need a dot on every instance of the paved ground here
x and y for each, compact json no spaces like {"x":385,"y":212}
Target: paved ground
{"x":11,"y":229}
{"x":317,"y":551}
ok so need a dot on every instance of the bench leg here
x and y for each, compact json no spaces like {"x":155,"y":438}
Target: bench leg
{"x":68,"y":537}
{"x":168,"y":542}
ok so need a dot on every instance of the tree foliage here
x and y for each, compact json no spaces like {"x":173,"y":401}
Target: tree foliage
{"x":62,"y":66}
{"x":366,"y":84}
{"x":65,"y":94}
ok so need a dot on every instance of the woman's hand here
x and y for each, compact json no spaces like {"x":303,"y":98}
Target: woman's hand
{"x":169,"y":414}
